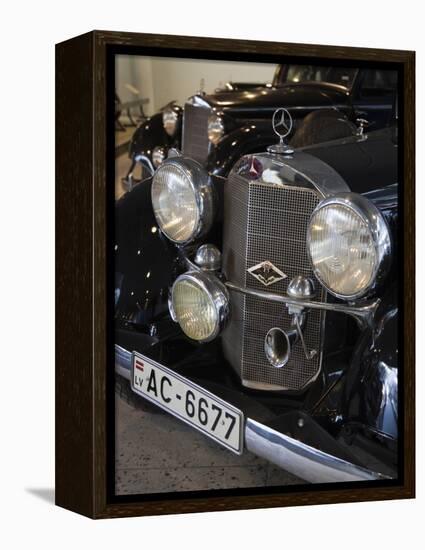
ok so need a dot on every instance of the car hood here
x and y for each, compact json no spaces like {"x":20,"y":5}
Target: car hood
{"x":255,"y":101}
{"x":366,"y":163}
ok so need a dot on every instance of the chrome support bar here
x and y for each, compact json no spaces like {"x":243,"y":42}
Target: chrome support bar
{"x":144,"y":159}
{"x":364,"y":314}
{"x":128,"y":181}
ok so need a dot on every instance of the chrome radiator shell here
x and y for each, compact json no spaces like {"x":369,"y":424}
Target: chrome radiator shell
{"x":268,"y":222}
{"x":195,"y":142}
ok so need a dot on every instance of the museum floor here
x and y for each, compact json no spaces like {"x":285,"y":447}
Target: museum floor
{"x":157,"y":453}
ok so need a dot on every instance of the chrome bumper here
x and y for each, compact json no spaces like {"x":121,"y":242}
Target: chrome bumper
{"x":299,"y":459}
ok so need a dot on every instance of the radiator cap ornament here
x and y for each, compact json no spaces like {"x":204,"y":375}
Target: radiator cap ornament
{"x":267,"y":273}
{"x":282,"y":126}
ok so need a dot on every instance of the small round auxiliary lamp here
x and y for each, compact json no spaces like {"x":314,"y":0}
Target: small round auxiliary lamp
{"x":301,"y":288}
{"x":208,"y":257}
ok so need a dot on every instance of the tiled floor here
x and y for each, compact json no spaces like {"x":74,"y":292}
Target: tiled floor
{"x":157,"y":453}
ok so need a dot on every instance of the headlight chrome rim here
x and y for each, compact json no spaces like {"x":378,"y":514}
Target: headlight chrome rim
{"x":380,"y":233}
{"x":170,"y":125}
{"x":215,"y":120}
{"x":203,"y":191}
{"x":158,"y":156}
{"x":216,"y":292}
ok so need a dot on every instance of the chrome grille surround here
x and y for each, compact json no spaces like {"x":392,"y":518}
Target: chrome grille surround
{"x":195,"y":142}
{"x":264,"y":221}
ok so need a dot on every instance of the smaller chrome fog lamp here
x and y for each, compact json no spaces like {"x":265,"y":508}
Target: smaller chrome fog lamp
{"x":215,"y":128}
{"x":200,"y":304}
{"x":169,"y":120}
{"x":158,"y":156}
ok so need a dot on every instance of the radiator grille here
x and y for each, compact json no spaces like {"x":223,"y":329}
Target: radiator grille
{"x":195,"y":132}
{"x":267,"y":222}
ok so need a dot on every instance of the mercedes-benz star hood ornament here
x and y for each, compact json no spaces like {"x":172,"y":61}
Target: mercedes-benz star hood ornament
{"x":282,"y":127}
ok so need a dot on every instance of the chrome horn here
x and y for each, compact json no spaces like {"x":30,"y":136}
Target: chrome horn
{"x":278,"y":343}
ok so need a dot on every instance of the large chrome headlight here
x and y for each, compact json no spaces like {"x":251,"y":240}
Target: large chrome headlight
{"x":349,"y":245}
{"x":182,"y":199}
{"x":169,"y":120}
{"x":215,"y":128}
{"x":200,"y":304}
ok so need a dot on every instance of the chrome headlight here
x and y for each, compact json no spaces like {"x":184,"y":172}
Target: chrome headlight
{"x":169,"y":120}
{"x":182,"y":199}
{"x":158,"y":156}
{"x":200,"y":304}
{"x":349,"y":245}
{"x":215,"y":128}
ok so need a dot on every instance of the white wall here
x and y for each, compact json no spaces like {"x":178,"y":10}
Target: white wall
{"x":164,"y":79}
{"x":27,"y":226}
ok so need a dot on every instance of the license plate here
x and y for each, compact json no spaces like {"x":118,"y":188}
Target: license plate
{"x":188,"y":402}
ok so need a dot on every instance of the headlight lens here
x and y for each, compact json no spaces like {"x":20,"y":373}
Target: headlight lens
{"x":158,"y":156}
{"x":200,"y":304}
{"x":169,"y":121}
{"x":182,"y":199}
{"x":349,"y":245}
{"x":215,"y":128}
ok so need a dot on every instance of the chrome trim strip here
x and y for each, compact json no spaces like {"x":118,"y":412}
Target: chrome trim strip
{"x":320,"y":175}
{"x":363,"y":314}
{"x":199,"y":101}
{"x":123,"y":360}
{"x":300,"y":459}
{"x":128,"y":181}
{"x":143,"y":159}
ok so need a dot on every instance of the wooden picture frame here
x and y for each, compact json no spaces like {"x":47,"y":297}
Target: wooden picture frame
{"x":84,"y":158}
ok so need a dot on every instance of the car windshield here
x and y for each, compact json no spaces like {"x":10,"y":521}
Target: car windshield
{"x":313,"y":73}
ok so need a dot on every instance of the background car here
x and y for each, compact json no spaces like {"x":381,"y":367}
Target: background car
{"x":218,"y":129}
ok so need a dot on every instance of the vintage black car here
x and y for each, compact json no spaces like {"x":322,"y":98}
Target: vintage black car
{"x":218,"y":129}
{"x":262,"y":309}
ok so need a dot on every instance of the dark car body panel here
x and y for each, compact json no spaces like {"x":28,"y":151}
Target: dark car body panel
{"x":150,"y":134}
{"x":366,"y":164}
{"x":144,"y":260}
{"x":262,"y":102}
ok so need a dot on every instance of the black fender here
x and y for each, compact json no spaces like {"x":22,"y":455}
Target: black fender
{"x":151,"y":134}
{"x":257,"y":134}
{"x":144,"y":260}
{"x":253,"y":137}
{"x":370,"y":393}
